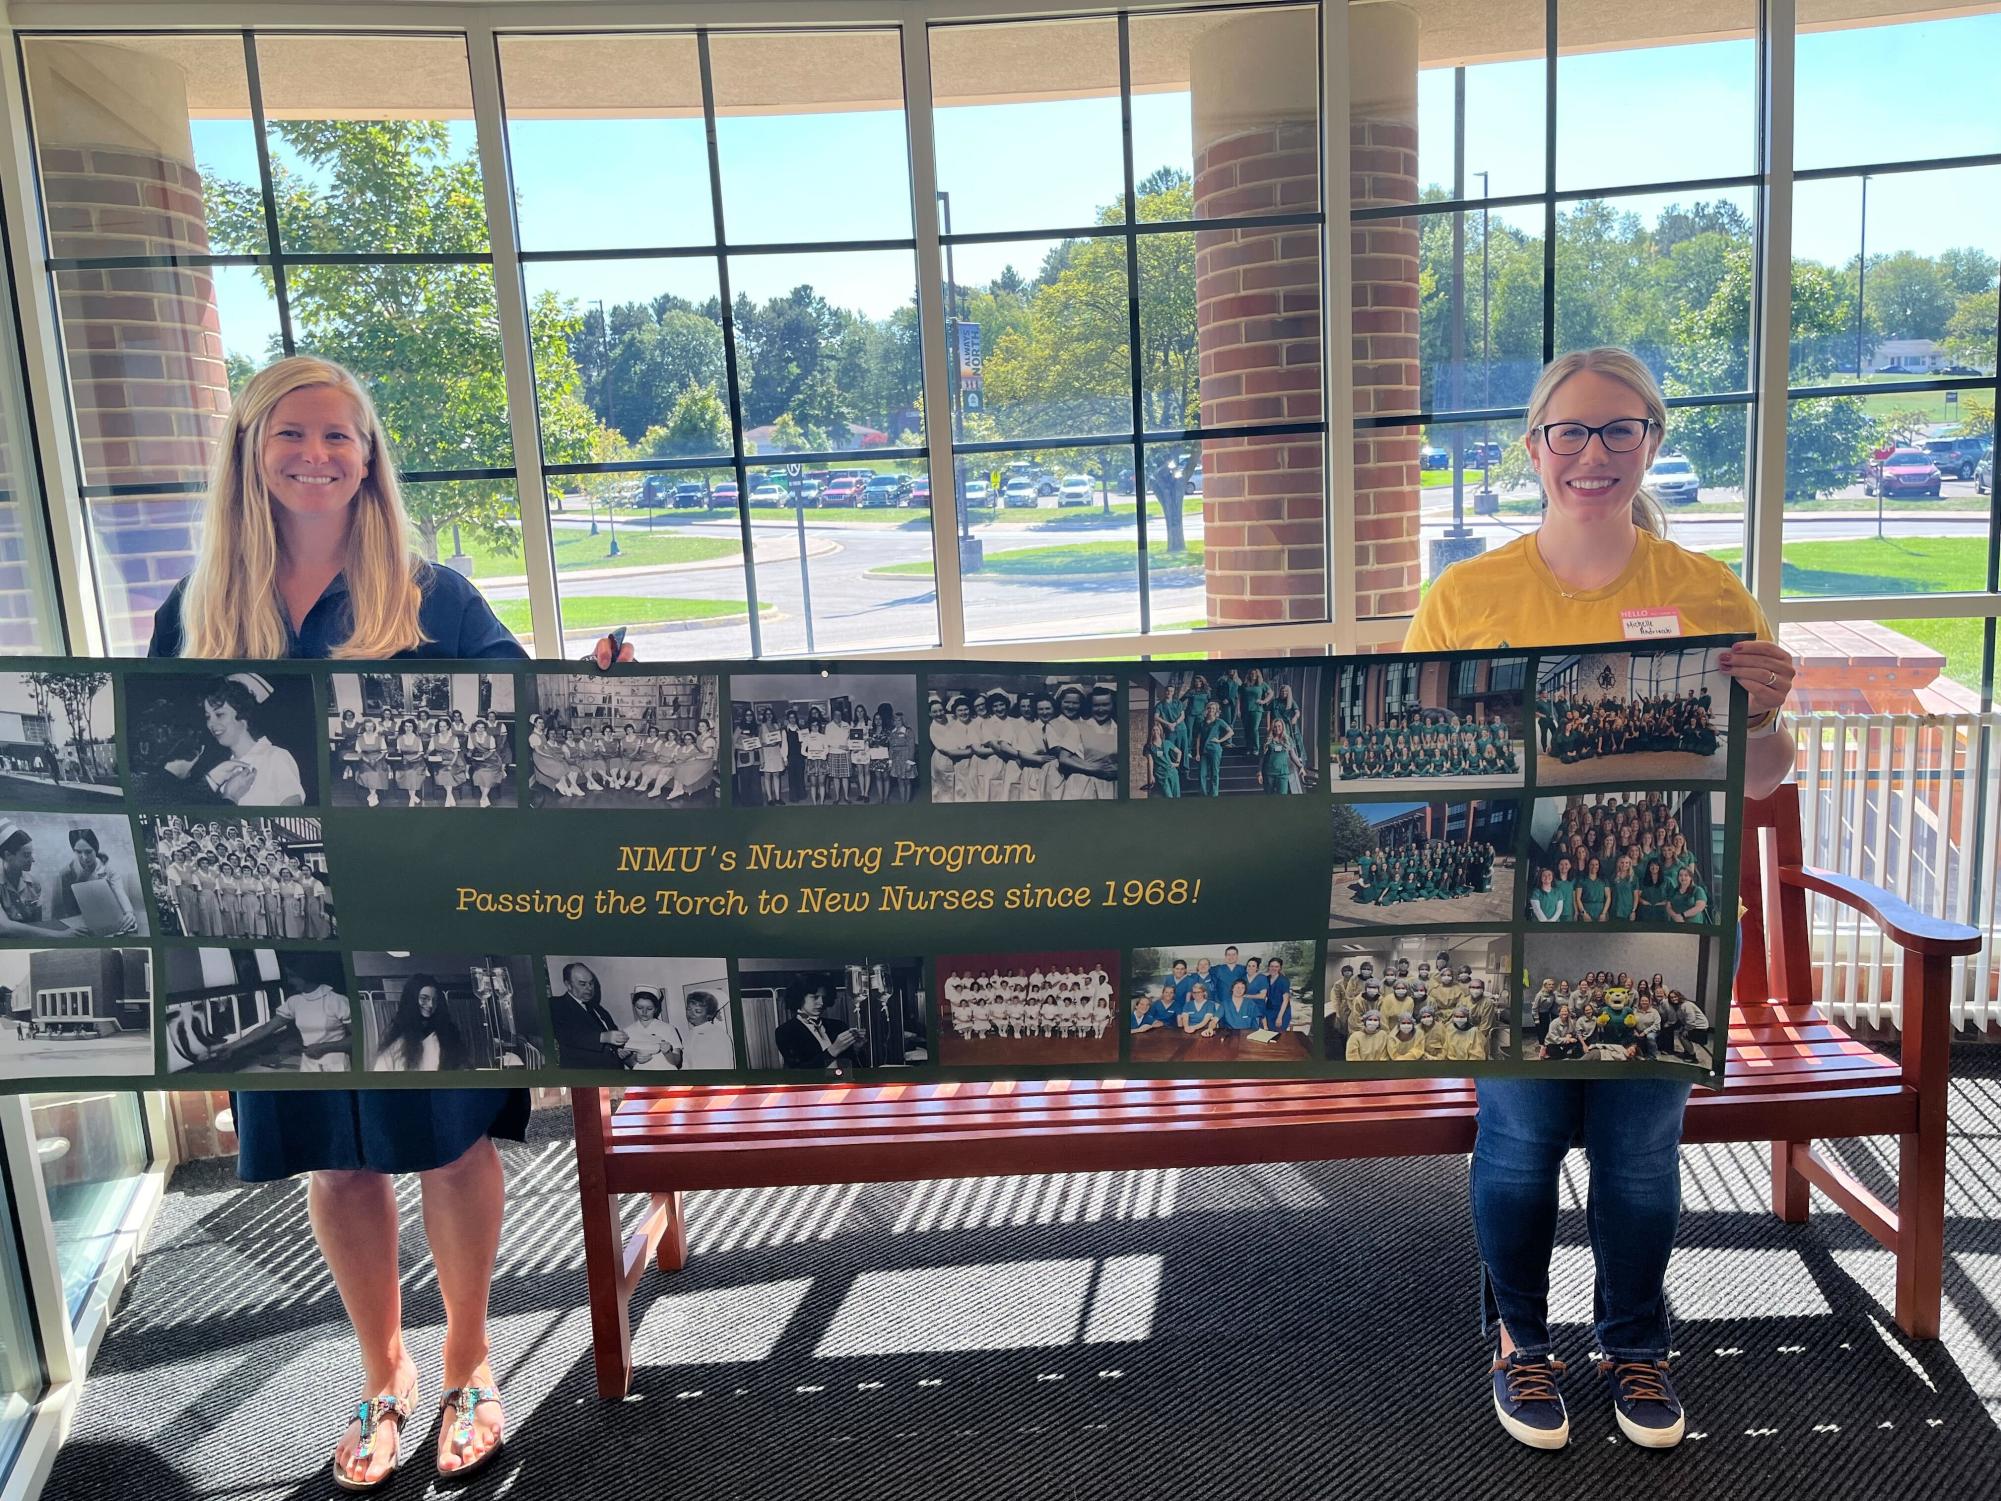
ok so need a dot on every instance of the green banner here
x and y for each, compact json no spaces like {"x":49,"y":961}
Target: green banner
{"x":397,"y":874}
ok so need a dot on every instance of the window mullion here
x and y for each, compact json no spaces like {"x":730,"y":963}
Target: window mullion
{"x":1771,"y":359}
{"x":516,"y":348}
{"x":1337,"y":352}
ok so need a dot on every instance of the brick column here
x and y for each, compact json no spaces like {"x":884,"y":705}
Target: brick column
{"x":143,"y":346}
{"x":1382,"y":163}
{"x":1253,"y":89}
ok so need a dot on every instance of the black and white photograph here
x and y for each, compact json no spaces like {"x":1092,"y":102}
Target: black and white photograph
{"x":1435,"y":998}
{"x":1639,"y":996}
{"x":256,"y":1011}
{"x":1625,"y":858}
{"x":76,"y":1012}
{"x":819,"y":738}
{"x":645,"y":1014}
{"x":833,"y":1016}
{"x":1400,"y":720}
{"x":245,"y":738}
{"x":69,"y":875}
{"x":1628,"y":716}
{"x":1246,"y":1002}
{"x":997,"y":737}
{"x":440,"y":1013}
{"x":421,"y":739}
{"x":58,"y":740}
{"x":1049,"y":1009}
{"x":1399,"y":863}
{"x":263,"y":879}
{"x":1226,"y":729}
{"x":619,"y":740}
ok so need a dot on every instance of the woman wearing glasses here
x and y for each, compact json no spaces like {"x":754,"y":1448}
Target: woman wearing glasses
{"x":1595,"y":422}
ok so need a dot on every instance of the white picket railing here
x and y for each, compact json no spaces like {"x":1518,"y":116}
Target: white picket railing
{"x":1894,"y":799}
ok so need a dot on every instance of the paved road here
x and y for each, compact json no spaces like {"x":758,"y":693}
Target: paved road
{"x":855,"y":609}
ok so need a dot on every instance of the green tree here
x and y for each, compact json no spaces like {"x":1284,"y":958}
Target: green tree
{"x":1968,"y":269}
{"x":1911,"y":296}
{"x":698,"y":425}
{"x":1067,"y":365}
{"x":1353,"y":838}
{"x":425,"y":337}
{"x":1969,"y":333}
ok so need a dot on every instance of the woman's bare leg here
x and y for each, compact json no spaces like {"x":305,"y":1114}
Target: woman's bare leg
{"x":353,"y":1216}
{"x":463,"y":1205}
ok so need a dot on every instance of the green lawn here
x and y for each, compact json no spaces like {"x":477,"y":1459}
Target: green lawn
{"x":1864,"y":565}
{"x":592,"y":612}
{"x":1959,"y":639}
{"x":1070,"y":560}
{"x":579,"y":549}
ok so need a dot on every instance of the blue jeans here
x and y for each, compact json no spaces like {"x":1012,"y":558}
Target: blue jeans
{"x":1630,"y":1130}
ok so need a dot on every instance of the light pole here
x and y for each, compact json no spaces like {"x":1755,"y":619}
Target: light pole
{"x":970,"y":552}
{"x":1861,"y":275}
{"x":1484,"y":500}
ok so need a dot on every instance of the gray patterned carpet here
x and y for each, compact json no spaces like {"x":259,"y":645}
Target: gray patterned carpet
{"x":1297,"y":1331}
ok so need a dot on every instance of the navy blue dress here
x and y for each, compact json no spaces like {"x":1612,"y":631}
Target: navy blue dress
{"x":283,"y":1132}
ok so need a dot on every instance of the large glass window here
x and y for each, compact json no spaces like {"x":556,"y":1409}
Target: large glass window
{"x":1473,"y":266}
{"x":93,"y":1151}
{"x":1131,"y":211}
{"x":1896,"y":231}
{"x":735,"y":355}
{"x":21,"y":1376}
{"x":171,"y":290}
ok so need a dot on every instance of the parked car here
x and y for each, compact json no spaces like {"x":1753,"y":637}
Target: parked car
{"x":920,"y":492}
{"x":1076,"y":490}
{"x":1983,"y":474}
{"x":1673,"y":481}
{"x":1019,"y":492}
{"x":1906,"y":471}
{"x":979,"y":493}
{"x":1195,"y":481}
{"x":770,"y":494}
{"x":1431,"y":456}
{"x":1486,"y":453}
{"x":885,"y":490}
{"x":690,"y":495}
{"x":1957,"y":458}
{"x":806,"y":492}
{"x":724,"y":494}
{"x":842,"y":490}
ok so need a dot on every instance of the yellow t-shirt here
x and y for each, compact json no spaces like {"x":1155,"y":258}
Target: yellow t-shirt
{"x":1508,"y":597}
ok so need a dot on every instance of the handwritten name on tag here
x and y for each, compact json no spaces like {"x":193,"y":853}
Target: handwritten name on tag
{"x":1648,"y":625}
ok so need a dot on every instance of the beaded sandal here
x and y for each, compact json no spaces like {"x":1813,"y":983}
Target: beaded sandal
{"x":371,"y":1414}
{"x":462,"y":1402}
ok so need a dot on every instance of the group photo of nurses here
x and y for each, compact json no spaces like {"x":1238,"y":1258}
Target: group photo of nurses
{"x":1226,"y":729}
{"x":1458,"y":721}
{"x":1650,"y":997}
{"x":1630,"y":716}
{"x":1021,"y":738}
{"x":1231,"y":1002}
{"x":1397,"y":863}
{"x":1636,"y":857}
{"x":255,"y":878}
{"x":421,"y":739}
{"x":813,"y":739}
{"x":640,"y":741}
{"x":1053,"y":1009}
{"x":1433,"y":998}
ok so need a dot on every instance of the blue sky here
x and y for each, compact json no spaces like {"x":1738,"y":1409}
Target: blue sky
{"x":1912,"y":90}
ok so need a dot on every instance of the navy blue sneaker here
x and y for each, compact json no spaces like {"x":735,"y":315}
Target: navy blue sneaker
{"x":1527,"y":1402}
{"x":1643,"y":1400}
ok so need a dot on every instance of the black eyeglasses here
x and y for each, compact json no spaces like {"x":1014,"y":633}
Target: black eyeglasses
{"x":1620,"y":436}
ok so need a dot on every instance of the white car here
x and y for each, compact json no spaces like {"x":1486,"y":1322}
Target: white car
{"x":1019,"y":492}
{"x":1076,"y":490}
{"x":978,"y":493}
{"x":769,"y":494}
{"x":1673,"y":481}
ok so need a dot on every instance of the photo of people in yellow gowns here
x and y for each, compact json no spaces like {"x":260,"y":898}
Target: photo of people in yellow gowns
{"x":1441,"y":1000}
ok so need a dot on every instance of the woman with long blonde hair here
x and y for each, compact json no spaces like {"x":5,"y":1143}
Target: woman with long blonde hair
{"x":1599,"y":562}
{"x":306,"y":552}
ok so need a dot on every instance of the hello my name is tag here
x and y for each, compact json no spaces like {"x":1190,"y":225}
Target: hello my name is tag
{"x":1649,"y":625}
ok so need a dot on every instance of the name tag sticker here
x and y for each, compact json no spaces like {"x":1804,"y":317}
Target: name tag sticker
{"x":1649,"y":625}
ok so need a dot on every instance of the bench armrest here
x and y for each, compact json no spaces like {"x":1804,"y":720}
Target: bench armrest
{"x":1909,"y":928}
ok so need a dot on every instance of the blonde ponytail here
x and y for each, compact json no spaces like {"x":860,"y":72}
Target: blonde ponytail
{"x":1623,"y":367}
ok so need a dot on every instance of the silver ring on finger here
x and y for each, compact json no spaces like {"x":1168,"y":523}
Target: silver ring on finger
{"x":1771,"y":679}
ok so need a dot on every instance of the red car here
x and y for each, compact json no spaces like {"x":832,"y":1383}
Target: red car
{"x":724,"y":494}
{"x":920,"y":491}
{"x":843,"y":491}
{"x":1904,"y":471}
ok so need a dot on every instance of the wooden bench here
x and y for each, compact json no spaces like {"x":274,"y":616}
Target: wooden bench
{"x":1793,"y":1077}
